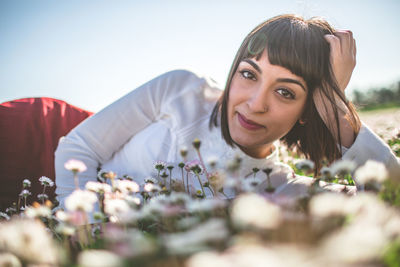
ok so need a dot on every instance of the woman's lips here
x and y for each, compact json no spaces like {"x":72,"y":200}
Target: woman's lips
{"x":248,"y":124}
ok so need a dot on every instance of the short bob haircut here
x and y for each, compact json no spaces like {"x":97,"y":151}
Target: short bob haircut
{"x":299,"y":46}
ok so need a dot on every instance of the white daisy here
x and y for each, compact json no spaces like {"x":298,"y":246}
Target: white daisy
{"x":10,"y":210}
{"x":40,"y":211}
{"x":81,"y":200}
{"x":252,"y":210}
{"x":65,"y":230}
{"x":99,"y":258}
{"x":183,"y":151}
{"x":326,"y":172}
{"x":62,"y":215}
{"x":115,"y":207}
{"x":150,"y":187}
{"x":304,"y":164}
{"x":102,"y":176}
{"x":25,"y":193}
{"x":75,"y":165}
{"x":342,"y":167}
{"x":98,"y":187}
{"x":4,"y":216}
{"x":46,"y":181}
{"x":29,"y":239}
{"x":151,"y":180}
{"x":160,"y":165}
{"x":329,"y":204}
{"x":42,"y":196}
{"x":212,"y":161}
{"x":217,"y":180}
{"x":132,"y":201}
{"x":127,"y":186}
{"x":26,"y":183}
{"x":371,"y":171}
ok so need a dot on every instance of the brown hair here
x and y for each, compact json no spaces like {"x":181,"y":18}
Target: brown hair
{"x":298,"y":45}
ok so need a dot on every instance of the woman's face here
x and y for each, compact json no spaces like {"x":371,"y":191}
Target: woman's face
{"x":265,"y":101}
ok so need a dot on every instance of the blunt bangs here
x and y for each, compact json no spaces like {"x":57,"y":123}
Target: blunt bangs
{"x":295,"y":45}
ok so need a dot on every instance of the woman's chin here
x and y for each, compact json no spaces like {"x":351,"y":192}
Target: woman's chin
{"x":252,"y":148}
{"x":244,"y":144}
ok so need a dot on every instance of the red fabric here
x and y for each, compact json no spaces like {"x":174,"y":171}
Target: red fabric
{"x":29,"y":132}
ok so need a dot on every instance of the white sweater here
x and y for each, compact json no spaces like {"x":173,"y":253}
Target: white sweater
{"x":154,"y":121}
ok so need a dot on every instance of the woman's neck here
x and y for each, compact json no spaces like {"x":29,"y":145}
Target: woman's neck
{"x":259,"y":152}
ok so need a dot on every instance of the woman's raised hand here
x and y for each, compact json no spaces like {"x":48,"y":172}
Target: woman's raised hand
{"x":343,"y":60}
{"x":342,"y":56}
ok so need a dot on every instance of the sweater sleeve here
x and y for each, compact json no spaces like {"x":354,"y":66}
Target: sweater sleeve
{"x":99,"y":137}
{"x":369,"y":146}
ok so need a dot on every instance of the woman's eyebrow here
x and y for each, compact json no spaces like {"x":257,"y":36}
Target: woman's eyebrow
{"x":283,"y":80}
{"x":253,"y":64}
{"x":288,"y":80}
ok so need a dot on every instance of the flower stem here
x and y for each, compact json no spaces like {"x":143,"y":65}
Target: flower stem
{"x":170,"y":180}
{"x":44,"y":189}
{"x":202,"y":163}
{"x":222,"y":192}
{"x":202,"y":188}
{"x":212,"y":192}
{"x":187,"y":182}
{"x":183,"y":179}
{"x":19,"y":204}
{"x":76,"y":180}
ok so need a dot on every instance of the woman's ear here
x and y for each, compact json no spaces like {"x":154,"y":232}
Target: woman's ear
{"x":302,"y":121}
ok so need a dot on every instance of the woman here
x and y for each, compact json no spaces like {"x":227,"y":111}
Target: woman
{"x":281,"y":87}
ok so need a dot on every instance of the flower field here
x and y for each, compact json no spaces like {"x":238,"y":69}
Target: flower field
{"x":118,"y":221}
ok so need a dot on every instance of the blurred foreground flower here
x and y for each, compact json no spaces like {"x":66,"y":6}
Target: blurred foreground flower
{"x":252,"y":210}
{"x":372,"y":172}
{"x":29,"y":241}
{"x":99,"y":258}
{"x":342,"y":167}
{"x":196,"y":239}
{"x":97,"y":187}
{"x":81,"y":200}
{"x":305,"y":164}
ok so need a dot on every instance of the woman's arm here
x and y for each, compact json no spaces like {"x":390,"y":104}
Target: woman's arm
{"x":99,"y":137}
{"x":363,"y":145}
{"x":343,"y":61}
{"x":368,"y":146}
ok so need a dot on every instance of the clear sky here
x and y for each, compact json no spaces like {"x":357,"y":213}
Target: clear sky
{"x":90,"y":53}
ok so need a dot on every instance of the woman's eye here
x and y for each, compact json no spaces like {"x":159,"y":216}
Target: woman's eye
{"x":248,"y":75}
{"x":285,"y":93}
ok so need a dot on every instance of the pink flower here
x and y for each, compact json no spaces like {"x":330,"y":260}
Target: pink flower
{"x":194,"y":166}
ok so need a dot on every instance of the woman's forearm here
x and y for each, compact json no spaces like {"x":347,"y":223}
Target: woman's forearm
{"x":347,"y":134}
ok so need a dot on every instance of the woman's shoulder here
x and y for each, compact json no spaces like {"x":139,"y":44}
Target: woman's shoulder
{"x":190,"y":86}
{"x":186,"y":76}
{"x":188,"y":96}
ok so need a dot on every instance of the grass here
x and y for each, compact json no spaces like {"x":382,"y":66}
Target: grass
{"x":377,"y":107}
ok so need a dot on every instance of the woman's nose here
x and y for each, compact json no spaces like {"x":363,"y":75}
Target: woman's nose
{"x":257,"y":102}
